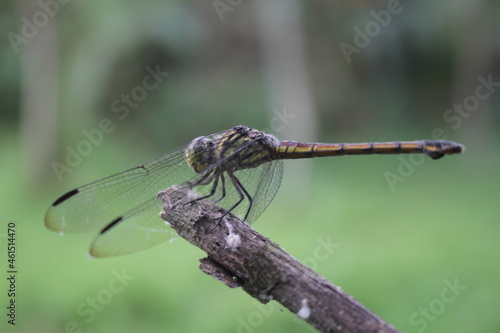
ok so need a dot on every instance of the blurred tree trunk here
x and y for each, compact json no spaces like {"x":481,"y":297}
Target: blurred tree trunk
{"x":39,"y":96}
{"x":475,"y":58}
{"x":280,"y":29}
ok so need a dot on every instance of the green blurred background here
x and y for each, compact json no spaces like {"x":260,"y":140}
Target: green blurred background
{"x":415,"y":240}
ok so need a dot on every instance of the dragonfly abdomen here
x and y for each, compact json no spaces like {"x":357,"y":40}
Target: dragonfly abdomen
{"x":434,"y":148}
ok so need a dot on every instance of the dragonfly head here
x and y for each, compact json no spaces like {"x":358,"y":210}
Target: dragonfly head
{"x":200,"y":154}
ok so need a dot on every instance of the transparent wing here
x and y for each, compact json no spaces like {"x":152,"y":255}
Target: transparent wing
{"x":93,"y":206}
{"x":123,"y":206}
{"x":142,"y":226}
{"x":138,"y":229}
{"x":269,"y":180}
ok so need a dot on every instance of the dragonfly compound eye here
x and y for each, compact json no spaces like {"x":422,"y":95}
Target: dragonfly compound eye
{"x":200,"y":154}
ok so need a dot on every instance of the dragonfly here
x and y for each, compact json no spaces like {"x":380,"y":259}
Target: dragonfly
{"x":239,"y":169}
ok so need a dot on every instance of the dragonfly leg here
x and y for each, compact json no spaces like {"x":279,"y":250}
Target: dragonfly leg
{"x":242,"y":192}
{"x":205,"y":179}
{"x":240,"y":188}
{"x":212,"y":190}
{"x":200,"y":181}
{"x":223,"y":194}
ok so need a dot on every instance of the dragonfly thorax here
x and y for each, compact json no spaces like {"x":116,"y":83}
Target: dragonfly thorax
{"x":237,"y":149}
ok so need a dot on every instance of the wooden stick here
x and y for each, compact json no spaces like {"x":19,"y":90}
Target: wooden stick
{"x":240,"y":257}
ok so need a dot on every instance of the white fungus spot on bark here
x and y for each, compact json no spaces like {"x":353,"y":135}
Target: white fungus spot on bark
{"x":304,"y":312}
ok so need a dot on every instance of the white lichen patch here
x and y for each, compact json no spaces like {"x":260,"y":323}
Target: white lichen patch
{"x":305,"y":311}
{"x":266,"y":297}
{"x":233,"y":240}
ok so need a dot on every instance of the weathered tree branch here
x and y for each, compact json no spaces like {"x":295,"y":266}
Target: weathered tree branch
{"x":240,"y":257}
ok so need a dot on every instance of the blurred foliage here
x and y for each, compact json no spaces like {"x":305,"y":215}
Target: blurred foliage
{"x":397,"y":247}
